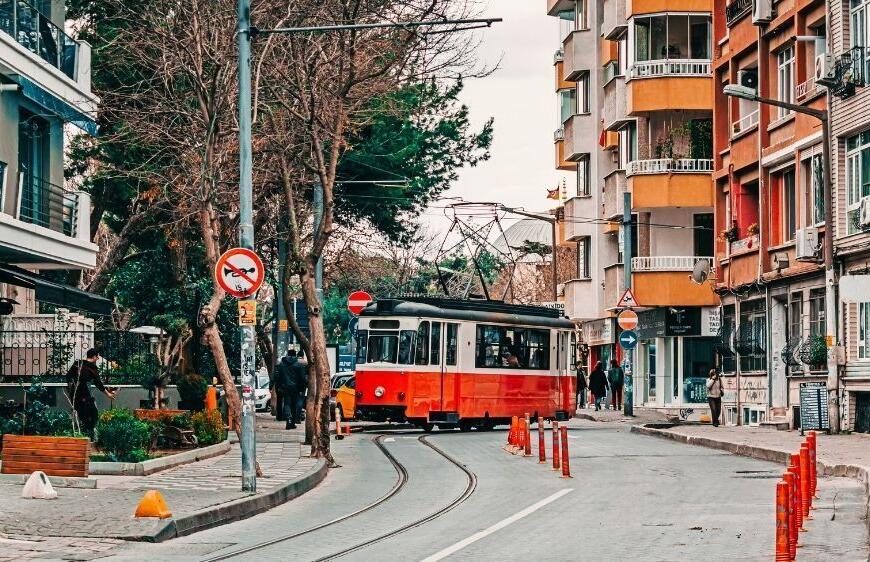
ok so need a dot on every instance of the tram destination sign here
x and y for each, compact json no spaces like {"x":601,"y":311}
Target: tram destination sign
{"x":814,"y":406}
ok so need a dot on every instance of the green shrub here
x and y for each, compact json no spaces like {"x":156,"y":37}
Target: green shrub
{"x":181,"y":421}
{"x":123,"y":437}
{"x":191,"y":390}
{"x":42,"y":420}
{"x":208,"y":426}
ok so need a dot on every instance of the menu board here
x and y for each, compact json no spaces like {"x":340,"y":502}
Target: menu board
{"x":814,"y":406}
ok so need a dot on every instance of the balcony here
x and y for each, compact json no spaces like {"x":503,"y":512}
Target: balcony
{"x":807,"y":90}
{"x":745,"y":124}
{"x":580,"y":54}
{"x":581,"y":136}
{"x":579,"y":212}
{"x":36,"y":33}
{"x":736,"y":10}
{"x":615,"y":24}
{"x":556,"y":6}
{"x":670,"y":182}
{"x":659,"y":68}
{"x":614,"y":285}
{"x":662,"y":85}
{"x":581,"y":302}
{"x":666,"y":281}
{"x":614,"y":188}
{"x":636,"y":7}
{"x":48,"y":225}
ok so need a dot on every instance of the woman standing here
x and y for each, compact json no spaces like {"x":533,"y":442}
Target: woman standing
{"x":598,"y":384}
{"x":714,"y":396}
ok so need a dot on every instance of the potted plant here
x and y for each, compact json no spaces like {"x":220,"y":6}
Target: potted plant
{"x":752,"y":229}
{"x":729,"y":234}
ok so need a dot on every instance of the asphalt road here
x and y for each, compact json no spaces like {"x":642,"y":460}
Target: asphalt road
{"x":631,"y":498}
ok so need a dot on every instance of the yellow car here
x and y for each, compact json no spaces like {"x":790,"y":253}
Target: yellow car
{"x":345,"y":398}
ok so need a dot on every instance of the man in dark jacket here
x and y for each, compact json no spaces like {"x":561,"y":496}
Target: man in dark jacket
{"x":598,"y":384}
{"x":581,"y":385}
{"x":616,"y":378}
{"x":78,"y":376}
{"x":301,"y":385}
{"x":285,"y":383}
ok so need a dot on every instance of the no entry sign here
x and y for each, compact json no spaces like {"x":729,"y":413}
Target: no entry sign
{"x":627,"y":320}
{"x":239,"y":272}
{"x":358,"y":301}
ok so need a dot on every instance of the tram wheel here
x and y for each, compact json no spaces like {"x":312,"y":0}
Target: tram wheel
{"x":427,"y":427}
{"x":464,"y":425}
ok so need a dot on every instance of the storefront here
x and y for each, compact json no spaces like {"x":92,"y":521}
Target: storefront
{"x":676,"y":352}
{"x":599,"y":336}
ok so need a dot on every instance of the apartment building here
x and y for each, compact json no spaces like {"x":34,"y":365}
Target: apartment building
{"x":45,"y":96}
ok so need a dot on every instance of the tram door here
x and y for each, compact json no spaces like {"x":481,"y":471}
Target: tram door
{"x":564,"y":373}
{"x":446,"y":334}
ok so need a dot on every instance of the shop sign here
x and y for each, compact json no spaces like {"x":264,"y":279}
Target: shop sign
{"x":683,"y":321}
{"x":598,"y":332}
{"x":678,"y":321}
{"x":711,"y":321}
{"x":555,"y":305}
{"x":651,"y":324}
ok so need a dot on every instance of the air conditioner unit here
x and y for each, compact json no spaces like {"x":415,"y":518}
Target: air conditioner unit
{"x":824,"y":67}
{"x":748,"y":78}
{"x":762,"y":11}
{"x":807,"y":244}
{"x":864,"y":213}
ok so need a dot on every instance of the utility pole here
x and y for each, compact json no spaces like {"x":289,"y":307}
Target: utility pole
{"x":627,"y":250}
{"x":248,"y":442}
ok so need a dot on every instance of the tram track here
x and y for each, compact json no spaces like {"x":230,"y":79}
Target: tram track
{"x":401,"y":481}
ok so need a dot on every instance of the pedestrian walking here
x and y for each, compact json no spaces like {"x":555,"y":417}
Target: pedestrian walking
{"x":581,"y":386}
{"x":598,"y":384}
{"x":302,"y":368}
{"x":80,"y":373}
{"x":714,"y":396}
{"x":616,"y":378}
{"x":286,"y":383}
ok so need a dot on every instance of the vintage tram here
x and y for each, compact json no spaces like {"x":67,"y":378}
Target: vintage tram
{"x":462,"y":363}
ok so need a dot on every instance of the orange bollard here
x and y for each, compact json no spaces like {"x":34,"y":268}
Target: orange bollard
{"x":805,"y":480}
{"x":796,"y":497}
{"x":527,"y":438}
{"x":542,"y":445}
{"x":512,"y":434}
{"x":566,"y":467}
{"x":782,"y":553}
{"x":211,"y":398}
{"x":556,"y":463}
{"x":521,"y":436}
{"x":792,"y":515}
{"x":339,"y":435}
{"x":814,"y":477}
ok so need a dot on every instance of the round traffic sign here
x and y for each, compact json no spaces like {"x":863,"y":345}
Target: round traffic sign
{"x":627,"y":320}
{"x":239,"y":272}
{"x":628,"y":339}
{"x":357,"y":301}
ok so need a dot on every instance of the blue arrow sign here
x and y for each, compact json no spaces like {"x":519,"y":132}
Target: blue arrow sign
{"x":628,"y":339}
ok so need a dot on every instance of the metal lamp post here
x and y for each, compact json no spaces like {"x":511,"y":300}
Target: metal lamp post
{"x":831,"y":316}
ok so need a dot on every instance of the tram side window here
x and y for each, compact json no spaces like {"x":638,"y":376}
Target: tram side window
{"x":452,"y":343}
{"x":383,"y":347}
{"x":435,"y":348}
{"x":362,"y":338}
{"x":422,"y":349}
{"x":406,"y":347}
{"x":512,"y":348}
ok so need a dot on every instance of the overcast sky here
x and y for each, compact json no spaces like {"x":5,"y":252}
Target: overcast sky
{"x":521,"y":98}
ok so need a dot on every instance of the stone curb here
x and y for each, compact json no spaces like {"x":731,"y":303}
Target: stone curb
{"x":56,"y":481}
{"x":156,"y":465}
{"x":780,"y":456}
{"x":235,"y":510}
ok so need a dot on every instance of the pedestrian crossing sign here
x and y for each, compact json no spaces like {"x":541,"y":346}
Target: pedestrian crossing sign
{"x":627,"y":300}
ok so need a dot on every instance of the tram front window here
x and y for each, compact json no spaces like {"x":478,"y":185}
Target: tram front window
{"x":383,"y":348}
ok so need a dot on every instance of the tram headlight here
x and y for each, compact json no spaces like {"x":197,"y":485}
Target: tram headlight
{"x":401,"y":396}
{"x":379,"y":391}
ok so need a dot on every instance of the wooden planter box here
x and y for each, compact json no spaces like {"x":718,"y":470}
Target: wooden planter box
{"x":56,"y":456}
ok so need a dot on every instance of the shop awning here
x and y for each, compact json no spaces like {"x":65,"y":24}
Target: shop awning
{"x":54,"y":293}
{"x":55,"y":105}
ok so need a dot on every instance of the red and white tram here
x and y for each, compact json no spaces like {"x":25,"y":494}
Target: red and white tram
{"x":460,"y":363}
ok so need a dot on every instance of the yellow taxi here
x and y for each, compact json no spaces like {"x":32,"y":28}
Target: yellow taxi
{"x":345,"y":398}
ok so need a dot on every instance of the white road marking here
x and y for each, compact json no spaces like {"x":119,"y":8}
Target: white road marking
{"x":573,"y":437}
{"x":389,"y":440}
{"x":497,"y":527}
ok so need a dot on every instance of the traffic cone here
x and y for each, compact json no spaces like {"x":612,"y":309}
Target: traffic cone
{"x":788,"y":477}
{"x":814,"y":477}
{"x":556,"y":463}
{"x":542,"y":446}
{"x":805,"y":480}
{"x":782,"y":552}
{"x":152,"y":505}
{"x":566,"y":467}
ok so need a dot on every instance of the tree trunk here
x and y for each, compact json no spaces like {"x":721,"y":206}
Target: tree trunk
{"x":114,"y":256}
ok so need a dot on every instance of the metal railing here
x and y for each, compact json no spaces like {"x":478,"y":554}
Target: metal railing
{"x":559,"y":134}
{"x":670,"y":166}
{"x":805,"y":89}
{"x":667,"y":263}
{"x":37,"y":33}
{"x":847,"y":73}
{"x":736,"y":10}
{"x":657,"y":68}
{"x":745,"y":123}
{"x":46,"y":204}
{"x":611,"y":71}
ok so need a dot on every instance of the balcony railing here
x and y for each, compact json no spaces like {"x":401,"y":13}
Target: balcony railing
{"x":667,"y":263}
{"x":559,"y":134}
{"x":745,"y":123}
{"x":611,"y":71}
{"x":736,"y":10}
{"x":46,"y":204}
{"x":806,"y":89}
{"x":657,"y":68}
{"x":36,"y":32}
{"x":670,"y":166}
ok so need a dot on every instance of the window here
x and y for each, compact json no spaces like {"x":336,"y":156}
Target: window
{"x":752,"y":336}
{"x":421,"y":352}
{"x":858,"y":18}
{"x":814,"y":189}
{"x":567,"y":104}
{"x":435,"y":348}
{"x":566,"y":24}
{"x":789,"y":205}
{"x":857,"y":176}
{"x":785,"y":78}
{"x":627,"y":144}
{"x":796,"y":317}
{"x":863,"y":330}
{"x":362,"y":340}
{"x":730,"y":415}
{"x":580,"y":14}
{"x":383,"y":347}
{"x":582,"y":103}
{"x":752,"y":416}
{"x":33,"y":135}
{"x":672,"y":36}
{"x":406,"y":347}
{"x":817,"y":312}
{"x":452,"y":343}
{"x":583,"y":258}
{"x":512,"y":348}
{"x":583,"y":178}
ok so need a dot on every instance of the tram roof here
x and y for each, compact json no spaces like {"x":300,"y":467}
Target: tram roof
{"x":472,"y":310}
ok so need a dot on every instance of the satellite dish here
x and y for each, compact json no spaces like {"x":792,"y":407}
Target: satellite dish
{"x":701,"y":271}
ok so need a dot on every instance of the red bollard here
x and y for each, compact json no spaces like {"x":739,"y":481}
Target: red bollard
{"x":792,"y":515}
{"x":512,"y":434}
{"x":521,"y":436}
{"x":542,"y":445}
{"x":527,"y":438}
{"x":556,"y":463}
{"x":796,"y":497}
{"x":805,"y":480}
{"x":782,"y":553}
{"x":566,"y":467}
{"x":814,"y":477}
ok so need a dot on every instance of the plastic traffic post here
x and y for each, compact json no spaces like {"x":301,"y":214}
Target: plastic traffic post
{"x":521,"y":442}
{"x":512,"y":434}
{"x":788,"y":477}
{"x":527,"y":437}
{"x":566,"y":467}
{"x":542,"y":445}
{"x":338,"y":434}
{"x":805,"y":480}
{"x":814,"y":477}
{"x":556,"y":464}
{"x":782,"y":553}
{"x":794,"y":468}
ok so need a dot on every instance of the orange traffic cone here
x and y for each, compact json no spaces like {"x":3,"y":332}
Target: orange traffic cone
{"x":152,"y":505}
{"x":782,"y":554}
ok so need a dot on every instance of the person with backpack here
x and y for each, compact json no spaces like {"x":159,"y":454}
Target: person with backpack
{"x":616,"y":378}
{"x":598,"y":384}
{"x":286,"y":384}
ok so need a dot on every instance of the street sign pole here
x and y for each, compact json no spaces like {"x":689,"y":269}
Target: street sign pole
{"x":627,"y":250}
{"x":246,"y":240}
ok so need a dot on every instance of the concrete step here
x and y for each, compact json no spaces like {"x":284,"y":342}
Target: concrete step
{"x":780,"y":424}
